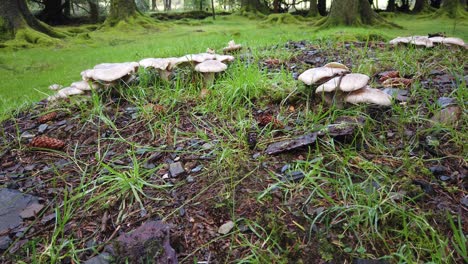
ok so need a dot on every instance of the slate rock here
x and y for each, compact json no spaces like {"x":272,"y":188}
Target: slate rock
{"x":149,"y":243}
{"x":448,"y":116}
{"x":12,"y":204}
{"x":176,"y":169}
{"x":5,"y":242}
{"x":103,"y":258}
{"x":290,"y":144}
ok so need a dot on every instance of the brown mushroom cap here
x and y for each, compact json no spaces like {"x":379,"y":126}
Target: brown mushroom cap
{"x":348,"y":83}
{"x":314,"y":75}
{"x":370,"y":96}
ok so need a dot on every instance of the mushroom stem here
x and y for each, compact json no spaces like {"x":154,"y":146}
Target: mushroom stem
{"x":164,"y":74}
{"x":208,"y":79}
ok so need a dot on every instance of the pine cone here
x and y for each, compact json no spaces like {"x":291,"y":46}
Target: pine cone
{"x":47,"y":142}
{"x":47,"y":117}
{"x":266,"y":119}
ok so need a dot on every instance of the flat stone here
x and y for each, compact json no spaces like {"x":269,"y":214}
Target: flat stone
{"x":42,"y":128}
{"x":149,"y":242}
{"x":12,"y":204}
{"x":31,"y":210}
{"x":176,"y":169}
{"x":448,"y":116}
{"x":290,"y":144}
{"x":103,"y":258}
{"x":226,"y":227}
{"x":5,"y":242}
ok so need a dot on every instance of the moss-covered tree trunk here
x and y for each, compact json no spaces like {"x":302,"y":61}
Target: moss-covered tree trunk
{"x":254,"y":6}
{"x":352,"y":13}
{"x":121,"y":10}
{"x":93,"y":10}
{"x":16,"y":19}
{"x":452,"y":8}
{"x":125,"y":13}
{"x":421,"y":6}
{"x":313,"y":9}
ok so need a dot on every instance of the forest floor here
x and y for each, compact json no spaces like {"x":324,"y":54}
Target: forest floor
{"x":358,"y":183}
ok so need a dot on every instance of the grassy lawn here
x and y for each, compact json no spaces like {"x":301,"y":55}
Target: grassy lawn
{"x":393,"y":187}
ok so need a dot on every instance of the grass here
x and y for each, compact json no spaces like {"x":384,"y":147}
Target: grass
{"x":357,"y":198}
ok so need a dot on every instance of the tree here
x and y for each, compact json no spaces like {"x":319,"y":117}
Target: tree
{"x":313,"y":9}
{"x":391,"y":6}
{"x":452,"y":8}
{"x":16,"y":21}
{"x":254,"y":6}
{"x":322,"y":7}
{"x":352,"y":13}
{"x":53,"y":12}
{"x":126,"y":11}
{"x":421,"y":6}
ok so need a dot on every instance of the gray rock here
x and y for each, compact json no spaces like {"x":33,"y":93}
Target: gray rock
{"x":12,"y":204}
{"x":226,"y":227}
{"x":176,"y":169}
{"x":190,"y":179}
{"x":42,"y":128}
{"x":103,"y":258}
{"x":197,"y":169}
{"x":5,"y":242}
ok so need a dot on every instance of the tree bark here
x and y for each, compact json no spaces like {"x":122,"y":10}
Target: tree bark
{"x":436,"y":3}
{"x":322,"y":7}
{"x":15,"y":16}
{"x":391,"y":6}
{"x":352,"y":13}
{"x":313,"y":9}
{"x":52,"y":13}
{"x":254,"y":6}
{"x":452,"y":8}
{"x":419,"y":6}
{"x":93,"y":11}
{"x":167,"y":5}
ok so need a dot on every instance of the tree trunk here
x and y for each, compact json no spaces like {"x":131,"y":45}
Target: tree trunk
{"x":121,"y":10}
{"x":391,"y":6}
{"x":352,"y":13}
{"x":452,"y":8}
{"x":93,"y":11}
{"x":419,"y":6}
{"x":52,"y":13}
{"x":254,"y":6}
{"x":15,"y":16}
{"x":404,"y":6}
{"x":313,"y":9}
{"x":213,"y":9}
{"x":153,"y":5}
{"x":436,"y":3}
{"x":276,"y":6}
{"x":167,"y":5}
{"x":322,"y":7}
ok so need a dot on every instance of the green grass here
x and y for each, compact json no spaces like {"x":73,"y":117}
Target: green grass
{"x":356,"y":200}
{"x":28,"y":72}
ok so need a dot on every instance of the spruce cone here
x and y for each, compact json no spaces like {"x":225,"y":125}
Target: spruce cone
{"x":47,"y":117}
{"x":266,"y":119}
{"x":47,"y":142}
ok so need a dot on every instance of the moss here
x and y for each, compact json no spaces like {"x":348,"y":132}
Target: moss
{"x":5,"y":33}
{"x":282,"y":19}
{"x":27,"y":37}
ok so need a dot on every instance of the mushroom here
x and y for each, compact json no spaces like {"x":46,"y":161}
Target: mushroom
{"x":421,"y":41}
{"x":454,"y":41}
{"x":398,"y":40}
{"x":232,"y":47}
{"x":315,"y":75}
{"x":84,"y":85}
{"x":369,"y":95}
{"x":348,"y":83}
{"x":163,"y":66}
{"x":55,"y":87}
{"x":224,"y":58}
{"x":65,"y":93}
{"x":208,"y":69}
{"x":110,"y":72}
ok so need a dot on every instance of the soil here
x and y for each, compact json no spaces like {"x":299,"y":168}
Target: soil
{"x":199,"y":202}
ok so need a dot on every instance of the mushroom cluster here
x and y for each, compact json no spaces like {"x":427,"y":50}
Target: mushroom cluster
{"x":336,"y":84}
{"x":427,"y":41}
{"x":109,"y":74}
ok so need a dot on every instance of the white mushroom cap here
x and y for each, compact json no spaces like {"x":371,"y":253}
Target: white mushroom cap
{"x":336,"y":65}
{"x":399,"y":40}
{"x":348,"y":83}
{"x":160,"y":64}
{"x":439,"y":40}
{"x":65,"y":92}
{"x":211,"y":66}
{"x":232,"y":46}
{"x":201,"y":57}
{"x":109,"y":72}
{"x":370,"y":96}
{"x":421,"y":41}
{"x":454,"y":41}
{"x":55,"y":87}
{"x":84,"y":85}
{"x":314,"y":75}
{"x":224,"y":58}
